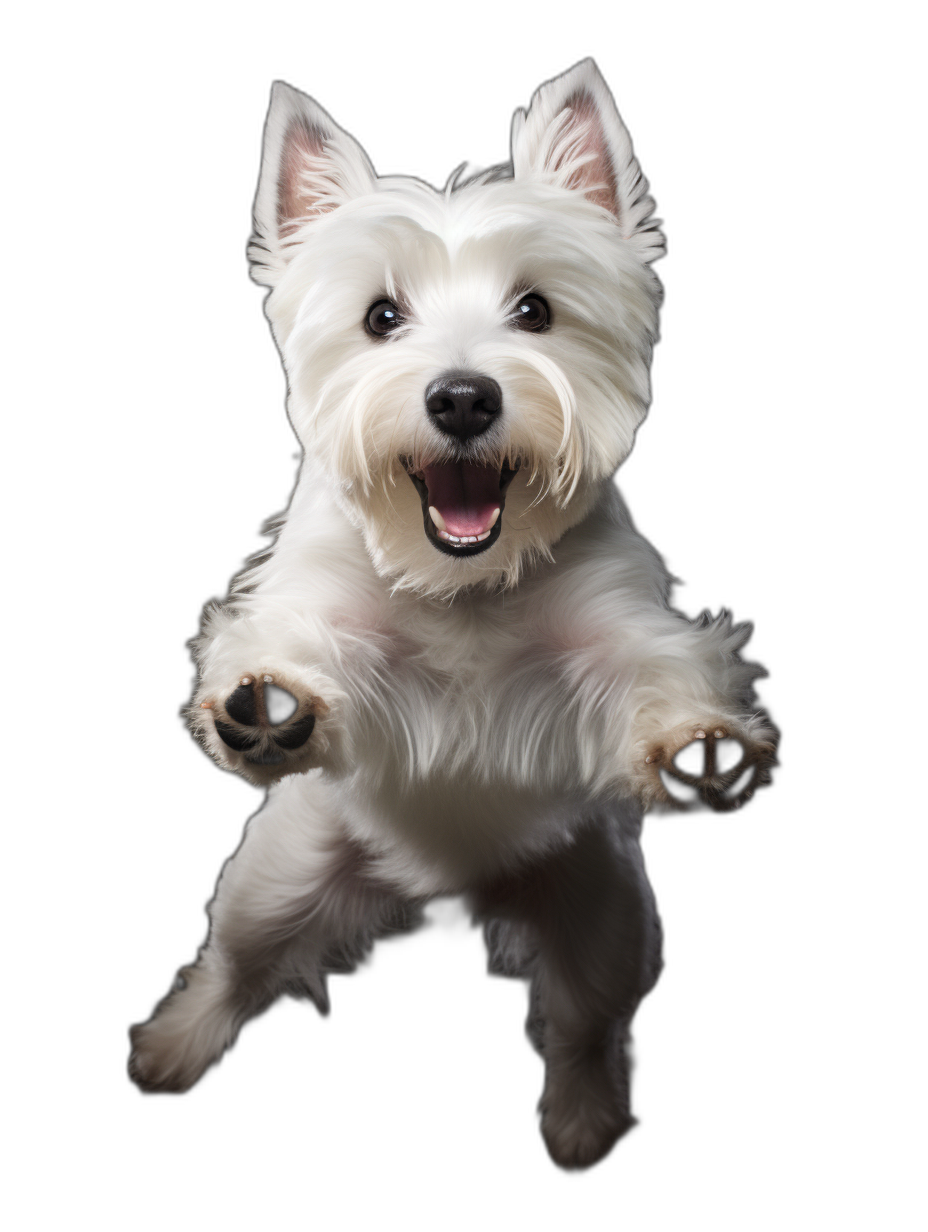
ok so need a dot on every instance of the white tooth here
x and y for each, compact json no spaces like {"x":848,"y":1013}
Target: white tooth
{"x":437,"y":518}
{"x":485,"y":535}
{"x":493,"y":519}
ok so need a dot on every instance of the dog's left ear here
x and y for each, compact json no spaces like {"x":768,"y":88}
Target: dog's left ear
{"x":572,"y":135}
{"x":309,"y":166}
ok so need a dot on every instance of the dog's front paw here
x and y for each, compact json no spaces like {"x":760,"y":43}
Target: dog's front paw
{"x":715,"y":764}
{"x":263,"y":727}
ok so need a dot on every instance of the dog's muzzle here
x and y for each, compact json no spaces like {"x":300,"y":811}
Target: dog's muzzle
{"x":462,"y":501}
{"x":462,"y":504}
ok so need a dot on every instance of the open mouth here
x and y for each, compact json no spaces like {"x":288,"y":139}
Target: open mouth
{"x":462,"y":504}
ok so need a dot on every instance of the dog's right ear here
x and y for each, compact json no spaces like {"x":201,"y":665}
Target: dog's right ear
{"x":309,"y":166}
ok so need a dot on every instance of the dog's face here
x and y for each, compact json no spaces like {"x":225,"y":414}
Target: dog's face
{"x":469,"y":365}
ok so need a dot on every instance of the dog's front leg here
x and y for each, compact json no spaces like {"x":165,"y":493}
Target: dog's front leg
{"x":264,"y":705}
{"x":695,"y":733}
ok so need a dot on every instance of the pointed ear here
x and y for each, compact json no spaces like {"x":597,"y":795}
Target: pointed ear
{"x":309,"y":166}
{"x":572,"y":135}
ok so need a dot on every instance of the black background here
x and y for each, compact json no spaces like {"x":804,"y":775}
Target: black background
{"x":423,"y":1069}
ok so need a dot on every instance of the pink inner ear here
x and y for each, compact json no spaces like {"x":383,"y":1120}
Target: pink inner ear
{"x":596,"y":176}
{"x":303,"y":146}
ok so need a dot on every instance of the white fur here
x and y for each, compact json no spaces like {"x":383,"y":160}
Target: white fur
{"x":470,"y":712}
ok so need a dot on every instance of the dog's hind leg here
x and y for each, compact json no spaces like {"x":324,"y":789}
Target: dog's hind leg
{"x":297,"y":900}
{"x":582,"y":924}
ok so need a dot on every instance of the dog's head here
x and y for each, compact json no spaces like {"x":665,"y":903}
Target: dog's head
{"x":469,"y":365}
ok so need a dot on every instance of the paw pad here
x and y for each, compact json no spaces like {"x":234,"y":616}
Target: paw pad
{"x":267,"y":721}
{"x":722,"y":788}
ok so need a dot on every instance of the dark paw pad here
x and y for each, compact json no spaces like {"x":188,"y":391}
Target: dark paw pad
{"x":296,"y":734}
{"x":267,"y":721}
{"x":242,"y":706}
{"x":740,"y":784}
{"x":234,"y":737}
{"x":721,"y":787}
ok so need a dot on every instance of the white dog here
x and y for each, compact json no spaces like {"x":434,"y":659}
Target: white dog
{"x":458,"y":665}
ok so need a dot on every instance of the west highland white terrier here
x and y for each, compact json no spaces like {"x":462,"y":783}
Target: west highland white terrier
{"x":457,"y":669}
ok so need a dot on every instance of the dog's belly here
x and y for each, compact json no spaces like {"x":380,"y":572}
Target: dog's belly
{"x":446,"y":835}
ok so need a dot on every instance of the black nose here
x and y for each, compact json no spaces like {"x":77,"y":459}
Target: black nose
{"x":463,"y":404}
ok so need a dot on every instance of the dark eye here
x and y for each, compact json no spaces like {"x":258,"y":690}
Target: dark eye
{"x":531,"y":313}
{"x":383,"y":317}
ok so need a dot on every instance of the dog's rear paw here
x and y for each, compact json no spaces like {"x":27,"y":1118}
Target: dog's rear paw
{"x":152,"y":1070}
{"x":712,"y":764}
{"x":582,"y":1116}
{"x":263,"y":727}
{"x":188,"y":1032}
{"x":580,"y":1144}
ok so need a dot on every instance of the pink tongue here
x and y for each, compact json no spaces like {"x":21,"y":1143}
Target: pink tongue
{"x":466,"y":495}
